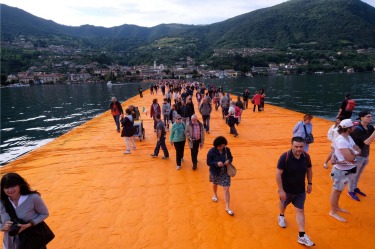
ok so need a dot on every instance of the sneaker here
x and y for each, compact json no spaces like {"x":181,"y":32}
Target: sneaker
{"x":325,"y":165}
{"x":357,"y":191}
{"x":281,"y":221}
{"x":178,"y":167}
{"x":305,"y":240}
{"x":165,"y":157}
{"x":134,"y":148}
{"x":153,"y":155}
{"x":127,"y":152}
{"x":353,"y":196}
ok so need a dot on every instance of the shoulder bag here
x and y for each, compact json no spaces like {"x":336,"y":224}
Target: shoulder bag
{"x":34,"y":237}
{"x":309,"y":138}
{"x":231,"y":170}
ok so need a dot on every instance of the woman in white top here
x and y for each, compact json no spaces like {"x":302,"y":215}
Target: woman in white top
{"x":332,"y":134}
{"x":344,"y":167}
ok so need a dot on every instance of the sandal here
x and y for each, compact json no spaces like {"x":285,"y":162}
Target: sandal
{"x":230,"y":212}
{"x":214,"y":198}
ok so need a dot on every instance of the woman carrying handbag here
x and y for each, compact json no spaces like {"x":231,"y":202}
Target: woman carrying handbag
{"x":218,"y":158}
{"x":22,"y":215}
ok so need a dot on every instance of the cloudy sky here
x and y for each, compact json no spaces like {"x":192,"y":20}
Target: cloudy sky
{"x":146,"y":13}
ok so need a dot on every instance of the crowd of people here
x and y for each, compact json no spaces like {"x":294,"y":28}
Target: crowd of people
{"x":349,"y":153}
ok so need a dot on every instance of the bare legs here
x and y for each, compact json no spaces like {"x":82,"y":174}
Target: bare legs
{"x":334,"y":200}
{"x":226,"y":197}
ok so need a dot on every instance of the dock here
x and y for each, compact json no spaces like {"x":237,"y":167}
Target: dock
{"x":100,"y":198}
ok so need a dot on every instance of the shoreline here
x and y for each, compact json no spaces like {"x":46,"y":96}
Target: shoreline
{"x":100,"y":198}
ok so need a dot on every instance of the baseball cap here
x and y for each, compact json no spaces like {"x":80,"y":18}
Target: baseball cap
{"x":363,"y":113}
{"x":178,"y":116}
{"x":346,"y":123}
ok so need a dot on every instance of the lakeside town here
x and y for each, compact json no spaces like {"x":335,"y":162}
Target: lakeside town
{"x":62,"y":70}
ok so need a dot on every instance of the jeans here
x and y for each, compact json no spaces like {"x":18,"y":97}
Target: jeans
{"x":361,"y":164}
{"x":194,"y":151}
{"x":166,"y":121}
{"x":117,"y":121}
{"x":206,"y":122}
{"x":161,"y":143}
{"x":180,"y":147}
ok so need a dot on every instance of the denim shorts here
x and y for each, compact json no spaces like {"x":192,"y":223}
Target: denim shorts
{"x":297,"y":200}
{"x":340,"y":178}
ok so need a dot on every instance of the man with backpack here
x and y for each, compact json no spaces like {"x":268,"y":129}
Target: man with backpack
{"x":363,"y":135}
{"x":293,"y":167}
{"x":347,"y":107}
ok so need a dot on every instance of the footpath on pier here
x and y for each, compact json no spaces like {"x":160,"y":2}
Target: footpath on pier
{"x":99,"y":197}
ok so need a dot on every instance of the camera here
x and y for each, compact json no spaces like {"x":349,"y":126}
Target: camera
{"x":13,"y":230}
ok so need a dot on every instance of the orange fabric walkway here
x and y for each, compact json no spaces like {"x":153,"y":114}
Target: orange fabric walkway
{"x":100,"y":198}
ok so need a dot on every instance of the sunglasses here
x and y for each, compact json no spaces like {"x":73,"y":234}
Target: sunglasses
{"x":179,"y":119}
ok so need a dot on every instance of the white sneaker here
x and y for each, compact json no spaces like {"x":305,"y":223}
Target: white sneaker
{"x":305,"y":240}
{"x":178,"y":167}
{"x":281,"y":221}
{"x":325,"y":166}
{"x":127,"y":152}
{"x":134,"y":148}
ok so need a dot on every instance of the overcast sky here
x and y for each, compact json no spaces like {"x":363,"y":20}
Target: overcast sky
{"x":146,"y":13}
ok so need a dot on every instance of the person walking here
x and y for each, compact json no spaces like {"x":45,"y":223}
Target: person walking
{"x":246,"y":96}
{"x":304,"y":129}
{"x":262,"y":98}
{"x":347,"y":107}
{"x":218,"y":157}
{"x":344,"y":167}
{"x":177,"y":138}
{"x":293,"y":167}
{"x":160,"y":135}
{"x":17,"y":197}
{"x":205,"y":109}
{"x":194,"y":133}
{"x":256,"y":101}
{"x":332,"y":134}
{"x":127,"y":123}
{"x":116,"y":111}
{"x":166,"y":109}
{"x":154,"y":110}
{"x":232,"y":120}
{"x":363,"y":135}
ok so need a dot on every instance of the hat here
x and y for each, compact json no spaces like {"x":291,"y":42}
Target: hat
{"x":178,"y":116}
{"x":346,"y":123}
{"x":363,"y":113}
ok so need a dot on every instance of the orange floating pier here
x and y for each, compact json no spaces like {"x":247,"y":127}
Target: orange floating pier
{"x":100,"y":198}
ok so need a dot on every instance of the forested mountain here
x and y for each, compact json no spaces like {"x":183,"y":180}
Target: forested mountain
{"x":295,"y":21}
{"x":307,"y":24}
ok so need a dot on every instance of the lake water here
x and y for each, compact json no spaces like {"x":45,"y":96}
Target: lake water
{"x":33,"y":116}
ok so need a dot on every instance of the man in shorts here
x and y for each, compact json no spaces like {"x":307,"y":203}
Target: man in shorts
{"x":292,"y":169}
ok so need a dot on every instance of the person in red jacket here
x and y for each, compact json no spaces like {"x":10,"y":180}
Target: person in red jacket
{"x":155,"y":109}
{"x":256,"y":101}
{"x":116,"y":110}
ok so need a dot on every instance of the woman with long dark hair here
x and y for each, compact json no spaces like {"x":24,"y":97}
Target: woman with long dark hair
{"x":29,"y":207}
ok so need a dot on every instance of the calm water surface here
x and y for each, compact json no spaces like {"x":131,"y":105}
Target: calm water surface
{"x":33,"y":116}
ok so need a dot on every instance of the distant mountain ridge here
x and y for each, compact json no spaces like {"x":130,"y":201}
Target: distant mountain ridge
{"x":307,"y":24}
{"x":295,"y":21}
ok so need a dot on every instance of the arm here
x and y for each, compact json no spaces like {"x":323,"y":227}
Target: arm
{"x":279,"y":182}
{"x":348,"y":154}
{"x":330,"y":133}
{"x":171,"y":136}
{"x":40,"y":208}
{"x":229,"y":157}
{"x":211,"y":160}
{"x":371,"y":138}
{"x":309,"y":180}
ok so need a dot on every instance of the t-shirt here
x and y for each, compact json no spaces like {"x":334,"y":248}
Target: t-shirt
{"x":343,"y":143}
{"x":160,"y":127}
{"x":359,"y":135}
{"x":294,"y":172}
